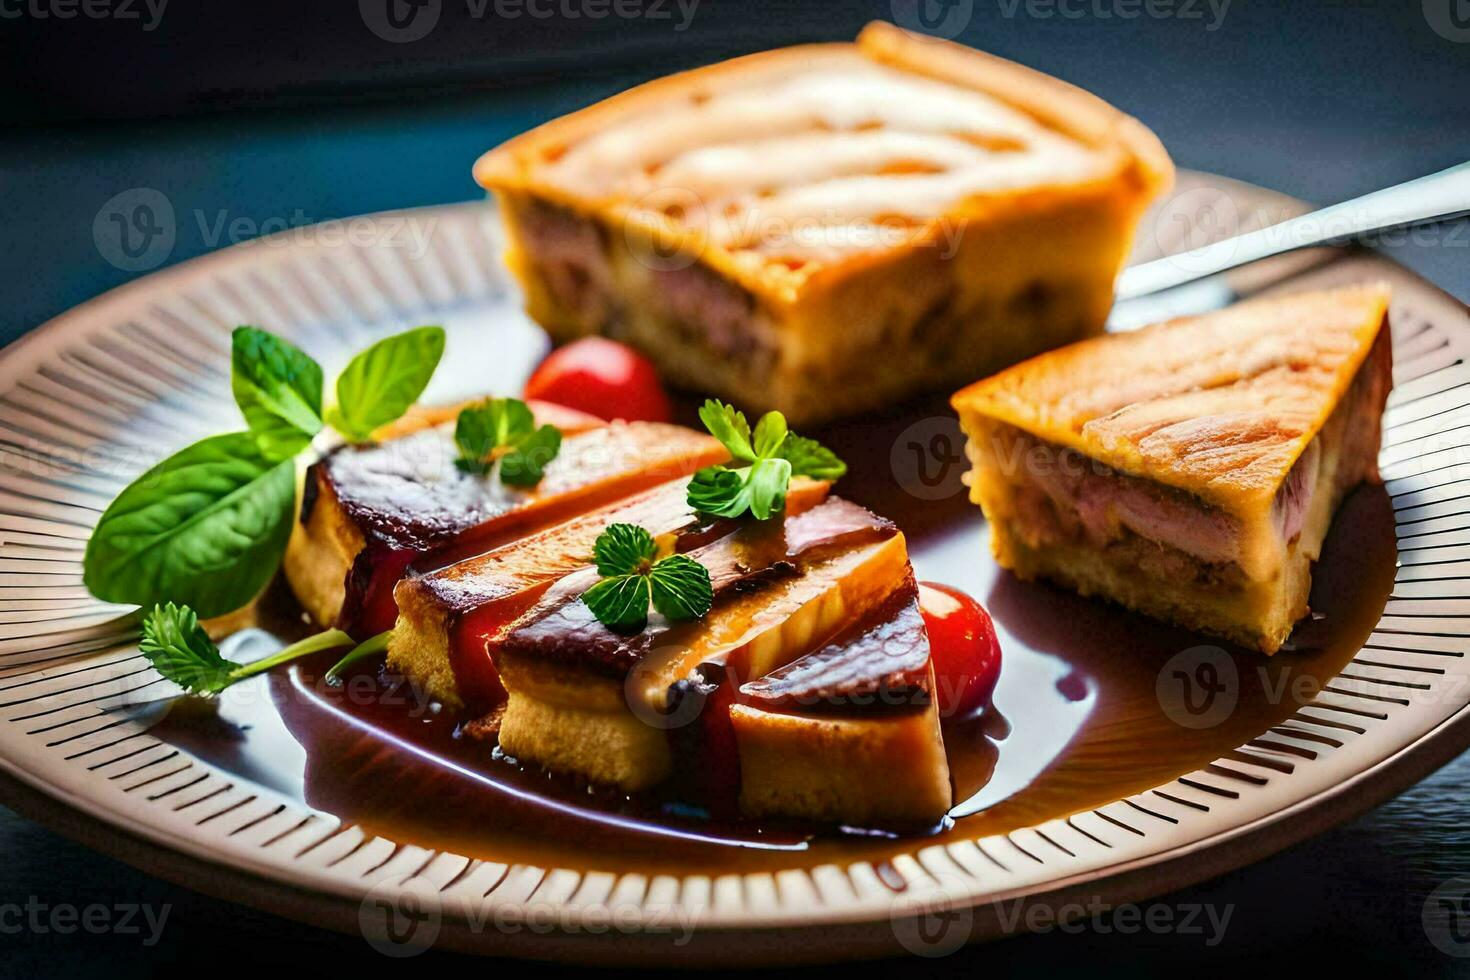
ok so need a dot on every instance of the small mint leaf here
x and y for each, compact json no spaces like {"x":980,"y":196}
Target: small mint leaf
{"x":714,"y":490}
{"x":623,"y":549}
{"x":620,"y":603}
{"x":730,"y":427}
{"x":681,"y":587}
{"x":525,"y":464}
{"x":810,"y":458}
{"x":770,"y":432}
{"x":380,"y":383}
{"x":278,"y":389}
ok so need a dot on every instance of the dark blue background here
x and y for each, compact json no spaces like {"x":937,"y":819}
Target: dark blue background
{"x":275,"y":111}
{"x":296,"y":111}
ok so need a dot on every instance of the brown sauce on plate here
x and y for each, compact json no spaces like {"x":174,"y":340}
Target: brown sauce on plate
{"x":1087,"y":708}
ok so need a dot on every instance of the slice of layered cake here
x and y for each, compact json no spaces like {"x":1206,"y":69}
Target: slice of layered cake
{"x":1191,"y":469}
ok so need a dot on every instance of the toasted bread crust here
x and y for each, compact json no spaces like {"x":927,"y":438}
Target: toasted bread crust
{"x":1137,"y":161}
{"x":1220,"y":405}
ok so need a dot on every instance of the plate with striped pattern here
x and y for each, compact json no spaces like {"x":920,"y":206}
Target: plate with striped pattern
{"x":103,"y":391}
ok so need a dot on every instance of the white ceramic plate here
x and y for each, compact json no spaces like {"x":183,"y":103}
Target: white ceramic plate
{"x":95,"y":396}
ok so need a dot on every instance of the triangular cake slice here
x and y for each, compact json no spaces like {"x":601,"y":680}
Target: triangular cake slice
{"x":1188,"y":470}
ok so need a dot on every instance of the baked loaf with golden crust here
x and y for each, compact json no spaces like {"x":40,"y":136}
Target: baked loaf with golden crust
{"x":827,"y":228}
{"x":1191,"y":469}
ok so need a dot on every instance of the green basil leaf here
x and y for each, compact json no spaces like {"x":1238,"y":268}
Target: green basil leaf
{"x":770,"y":432}
{"x":730,"y":427}
{"x":810,"y":458}
{"x":179,"y":649}
{"x":681,"y":587}
{"x":205,"y":528}
{"x":623,"y":549}
{"x":524,"y":465}
{"x":380,"y":383}
{"x":278,"y":389}
{"x":620,"y":603}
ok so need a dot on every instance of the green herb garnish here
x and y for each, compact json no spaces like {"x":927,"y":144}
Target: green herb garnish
{"x":771,"y":455}
{"x":179,"y":649}
{"x":380,"y":383}
{"x":207,"y":527}
{"x":370,"y":647}
{"x":633,"y":577}
{"x":503,"y":431}
{"x":278,"y":389}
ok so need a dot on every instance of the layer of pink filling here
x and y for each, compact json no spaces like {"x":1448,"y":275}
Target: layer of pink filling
{"x":1098,"y":503}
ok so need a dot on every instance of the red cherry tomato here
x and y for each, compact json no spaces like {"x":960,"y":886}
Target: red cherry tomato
{"x":603,"y":378}
{"x":964,"y":648}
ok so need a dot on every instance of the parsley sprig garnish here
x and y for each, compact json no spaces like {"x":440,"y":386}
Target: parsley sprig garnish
{"x":503,"y":431}
{"x":771,"y":455}
{"x":633,"y":577}
{"x":179,"y":649}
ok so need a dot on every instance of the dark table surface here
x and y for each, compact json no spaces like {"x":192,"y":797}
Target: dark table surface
{"x":1323,"y":102}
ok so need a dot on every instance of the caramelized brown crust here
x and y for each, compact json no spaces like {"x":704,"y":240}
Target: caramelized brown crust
{"x":1174,"y":553}
{"x":408,"y":493}
{"x":880,"y":662}
{"x":1127,"y":152}
{"x":1219,"y":405}
{"x":369,"y":511}
{"x":561,"y":627}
